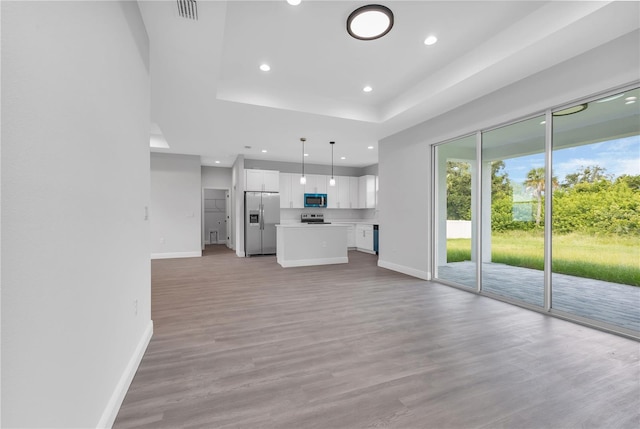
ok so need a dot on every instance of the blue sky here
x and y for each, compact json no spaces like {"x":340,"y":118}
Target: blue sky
{"x":618,"y":157}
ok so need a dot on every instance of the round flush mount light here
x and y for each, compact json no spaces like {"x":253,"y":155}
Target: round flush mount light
{"x":294,"y":2}
{"x":370,"y":22}
{"x":265,"y":67}
{"x":367,"y":89}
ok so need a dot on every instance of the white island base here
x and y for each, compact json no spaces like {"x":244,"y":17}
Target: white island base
{"x":301,"y":245}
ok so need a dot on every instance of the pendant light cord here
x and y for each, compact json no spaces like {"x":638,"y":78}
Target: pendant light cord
{"x":332,"y":143}
{"x":302,"y":139}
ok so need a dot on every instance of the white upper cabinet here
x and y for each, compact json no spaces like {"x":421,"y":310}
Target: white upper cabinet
{"x":367,"y":192}
{"x":353,"y":192}
{"x":262,"y":180}
{"x":348,"y":193}
{"x":291,"y":191}
{"x":316,"y":184}
{"x":285,"y":190}
{"x":338,"y":196}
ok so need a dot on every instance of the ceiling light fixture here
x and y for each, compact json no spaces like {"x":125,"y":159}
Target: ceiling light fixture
{"x":367,"y":89}
{"x":630,"y":102}
{"x":217,"y":162}
{"x":370,"y":22}
{"x":431,"y":40}
{"x":294,"y":2}
{"x":343,"y":157}
{"x":571,"y":110}
{"x":332,"y":181}
{"x":265,"y":67}
{"x":369,"y":147}
{"x":631,"y":98}
{"x":264,"y":151}
{"x":303,"y":180}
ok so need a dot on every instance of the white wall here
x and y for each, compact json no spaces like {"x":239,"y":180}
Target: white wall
{"x":75,"y":146}
{"x":237,"y":208}
{"x":216,"y":177}
{"x":404,"y":158}
{"x":176,"y":206}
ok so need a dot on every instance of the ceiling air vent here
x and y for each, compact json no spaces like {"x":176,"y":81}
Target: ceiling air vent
{"x":188,"y":9}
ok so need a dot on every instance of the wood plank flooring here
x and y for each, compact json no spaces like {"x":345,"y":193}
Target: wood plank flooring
{"x":244,"y":343}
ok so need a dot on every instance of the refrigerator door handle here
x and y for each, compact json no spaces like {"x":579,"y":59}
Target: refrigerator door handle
{"x":262,"y":217}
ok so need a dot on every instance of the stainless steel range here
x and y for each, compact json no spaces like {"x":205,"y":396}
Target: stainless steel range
{"x":314,"y":218}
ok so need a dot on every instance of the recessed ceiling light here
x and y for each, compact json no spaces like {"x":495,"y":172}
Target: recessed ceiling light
{"x":265,"y":67}
{"x":294,"y":2}
{"x":343,"y":157}
{"x":264,"y":151}
{"x":543,"y":122}
{"x":217,"y":162}
{"x":367,"y":89}
{"x":431,"y":40}
{"x":370,"y":147}
{"x":631,"y":98}
{"x":306,"y":154}
{"x":370,"y":22}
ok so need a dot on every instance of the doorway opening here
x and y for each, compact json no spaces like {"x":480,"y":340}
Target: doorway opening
{"x":215,"y":219}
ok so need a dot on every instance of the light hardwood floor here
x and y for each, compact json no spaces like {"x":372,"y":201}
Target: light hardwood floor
{"x":244,"y":343}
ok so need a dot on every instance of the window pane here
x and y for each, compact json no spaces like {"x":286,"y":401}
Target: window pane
{"x":455,"y":260}
{"x":596,"y":210}
{"x":513,"y":192}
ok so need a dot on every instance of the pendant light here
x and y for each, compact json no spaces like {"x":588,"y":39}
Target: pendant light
{"x":332,"y":181}
{"x":303,"y":179}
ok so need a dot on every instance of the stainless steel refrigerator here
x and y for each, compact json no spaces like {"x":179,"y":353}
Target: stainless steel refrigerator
{"x":261,"y":214}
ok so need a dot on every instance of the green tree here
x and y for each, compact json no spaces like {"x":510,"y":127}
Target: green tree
{"x":535,"y":183}
{"x":500,"y":182}
{"x":588,"y":174}
{"x":458,"y":190}
{"x":633,"y":182}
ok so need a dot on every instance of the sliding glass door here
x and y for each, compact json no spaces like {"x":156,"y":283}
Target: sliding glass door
{"x":545,"y":212}
{"x":596,"y":210}
{"x":513,"y":192}
{"x":455,"y":194}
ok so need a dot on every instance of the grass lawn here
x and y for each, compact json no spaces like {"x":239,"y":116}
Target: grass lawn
{"x":611,"y":258}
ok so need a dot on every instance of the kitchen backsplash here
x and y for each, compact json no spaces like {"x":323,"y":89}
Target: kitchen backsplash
{"x":330,"y":215}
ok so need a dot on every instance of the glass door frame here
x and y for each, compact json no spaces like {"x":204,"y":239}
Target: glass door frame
{"x":478,"y":207}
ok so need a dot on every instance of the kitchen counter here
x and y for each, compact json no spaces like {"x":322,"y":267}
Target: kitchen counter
{"x":301,"y":244}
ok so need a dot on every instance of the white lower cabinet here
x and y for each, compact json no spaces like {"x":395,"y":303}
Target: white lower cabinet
{"x":351,"y":236}
{"x":364,"y":237}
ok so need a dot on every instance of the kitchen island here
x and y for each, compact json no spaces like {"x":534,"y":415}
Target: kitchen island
{"x":301,"y":244}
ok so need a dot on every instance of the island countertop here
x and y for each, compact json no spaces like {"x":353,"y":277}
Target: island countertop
{"x":302,"y":244}
{"x":310,"y":225}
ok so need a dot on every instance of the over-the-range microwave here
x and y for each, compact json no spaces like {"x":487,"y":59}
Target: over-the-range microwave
{"x":315,"y":200}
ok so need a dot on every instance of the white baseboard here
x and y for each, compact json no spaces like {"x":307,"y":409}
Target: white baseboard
{"x":424,"y":275}
{"x":113,"y":407}
{"x":371,"y":252}
{"x":310,"y":262}
{"x":240,"y":254}
{"x":217,"y":242}
{"x":176,"y":255}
